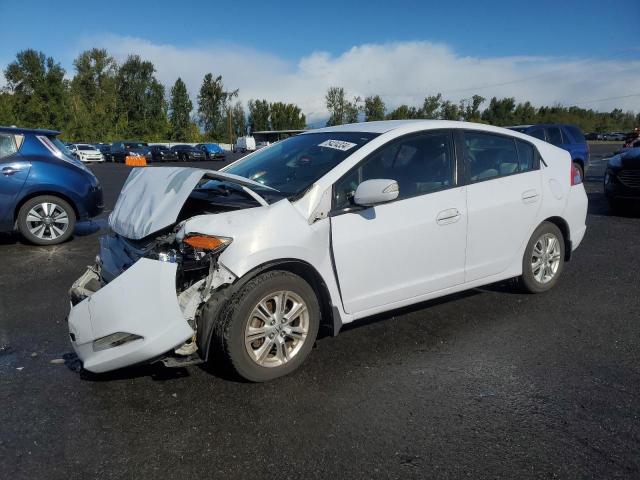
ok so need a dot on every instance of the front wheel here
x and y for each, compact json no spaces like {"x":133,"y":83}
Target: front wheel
{"x":543,"y":259}
{"x":46,"y":220}
{"x":268,"y":327}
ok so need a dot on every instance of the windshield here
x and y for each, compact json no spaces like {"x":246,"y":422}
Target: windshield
{"x":518,"y":129}
{"x":85,"y":147}
{"x":293,"y":165}
{"x":135,"y":145}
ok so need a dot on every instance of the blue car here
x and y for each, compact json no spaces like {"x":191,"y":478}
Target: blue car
{"x":212,"y":150}
{"x":43,"y":189}
{"x":565,"y":136}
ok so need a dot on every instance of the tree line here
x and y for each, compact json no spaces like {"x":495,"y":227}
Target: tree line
{"x":106,"y":101}
{"x":500,"y":111}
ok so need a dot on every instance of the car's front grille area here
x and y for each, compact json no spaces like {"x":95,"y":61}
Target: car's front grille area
{"x":630,"y":178}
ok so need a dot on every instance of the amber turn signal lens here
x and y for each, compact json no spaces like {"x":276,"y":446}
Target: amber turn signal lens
{"x":204,"y":242}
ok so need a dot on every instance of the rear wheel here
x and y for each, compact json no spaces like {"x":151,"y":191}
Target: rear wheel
{"x":543,"y":259}
{"x":268,"y":327}
{"x":46,"y":220}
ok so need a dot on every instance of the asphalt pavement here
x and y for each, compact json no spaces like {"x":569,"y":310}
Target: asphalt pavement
{"x":484,"y":384}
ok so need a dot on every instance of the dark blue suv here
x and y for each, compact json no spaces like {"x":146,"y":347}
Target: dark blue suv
{"x":43,"y":190}
{"x":565,"y":136}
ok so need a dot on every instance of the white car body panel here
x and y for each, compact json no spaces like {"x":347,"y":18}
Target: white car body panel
{"x":501,"y":213}
{"x":386,"y":257}
{"x":395,"y":251}
{"x":151,"y":198}
{"x":143,"y":302}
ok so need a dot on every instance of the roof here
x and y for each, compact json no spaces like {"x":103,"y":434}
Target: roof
{"x":25,"y":131}
{"x":385,"y":126}
{"x":264,"y":132}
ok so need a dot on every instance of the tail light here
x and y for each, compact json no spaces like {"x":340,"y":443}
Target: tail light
{"x":576,"y":178}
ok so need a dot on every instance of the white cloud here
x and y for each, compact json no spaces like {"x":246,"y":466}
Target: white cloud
{"x":401,"y":72}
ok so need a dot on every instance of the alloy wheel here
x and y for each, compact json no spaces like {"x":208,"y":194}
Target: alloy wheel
{"x":277,"y":328}
{"x":47,"y":221}
{"x":545,"y":258}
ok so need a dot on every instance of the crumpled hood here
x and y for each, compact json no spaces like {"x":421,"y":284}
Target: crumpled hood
{"x":152,"y":198}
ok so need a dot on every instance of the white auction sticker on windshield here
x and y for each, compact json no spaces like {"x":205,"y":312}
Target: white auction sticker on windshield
{"x":338,"y":145}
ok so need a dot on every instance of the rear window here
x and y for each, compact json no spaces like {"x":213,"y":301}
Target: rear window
{"x":537,"y":133}
{"x":576,"y":133}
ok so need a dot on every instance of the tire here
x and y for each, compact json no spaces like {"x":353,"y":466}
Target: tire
{"x":580,"y":169}
{"x":237,"y":320}
{"x":52,"y":229}
{"x":538,"y":280}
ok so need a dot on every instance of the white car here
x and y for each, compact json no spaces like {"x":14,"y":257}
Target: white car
{"x":87,"y":153}
{"x":244,"y":265}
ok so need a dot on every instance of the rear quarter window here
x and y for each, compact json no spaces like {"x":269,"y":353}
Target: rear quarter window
{"x":8,"y":145}
{"x":576,"y":134}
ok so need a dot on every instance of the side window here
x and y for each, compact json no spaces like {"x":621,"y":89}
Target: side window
{"x":555,"y":137}
{"x":420,"y":164}
{"x":576,"y":133}
{"x":8,"y":145}
{"x":538,"y":133}
{"x":527,"y":156}
{"x":489,"y":156}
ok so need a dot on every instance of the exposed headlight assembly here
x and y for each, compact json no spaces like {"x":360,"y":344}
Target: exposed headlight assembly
{"x":209,"y":243}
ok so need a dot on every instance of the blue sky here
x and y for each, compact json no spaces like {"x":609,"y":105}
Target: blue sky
{"x":283,"y":40}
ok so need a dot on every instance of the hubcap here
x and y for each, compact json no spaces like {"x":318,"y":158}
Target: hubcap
{"x":47,"y":221}
{"x":277,"y":328}
{"x":545,"y":258}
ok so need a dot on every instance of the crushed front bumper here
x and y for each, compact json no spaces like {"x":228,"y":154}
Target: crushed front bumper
{"x":142,"y":301}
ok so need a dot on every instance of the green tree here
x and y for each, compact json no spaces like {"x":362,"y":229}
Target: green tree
{"x":470,"y":108}
{"x":213,"y":107}
{"x":500,"y":111}
{"x":238,"y":120}
{"x":6,"y":109}
{"x":449,"y":111}
{"x":141,"y":104}
{"x":431,"y":106}
{"x":92,"y":104}
{"x":340,"y":109}
{"x":374,"y":108}
{"x":404,"y":112}
{"x":286,"y":116}
{"x":39,"y":90}
{"x":180,"y":107}
{"x":259,"y":115}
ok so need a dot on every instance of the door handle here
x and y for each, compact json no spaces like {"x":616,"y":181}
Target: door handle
{"x":448,"y":216}
{"x":530,"y":196}
{"x":9,"y":171}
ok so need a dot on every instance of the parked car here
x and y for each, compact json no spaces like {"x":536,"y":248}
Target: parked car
{"x":260,"y":145}
{"x":212,"y":150}
{"x":594,"y":136}
{"x":87,"y":153}
{"x":162,"y":153}
{"x":615,"y":137}
{"x":622,"y":179}
{"x":245,"y":144}
{"x":121,"y":150}
{"x":568,"y":137}
{"x":43,"y":191}
{"x":188,"y":153}
{"x":243,"y":265}
{"x":105,"y":150}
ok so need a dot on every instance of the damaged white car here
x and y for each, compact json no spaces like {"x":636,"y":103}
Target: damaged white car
{"x":243,"y":266}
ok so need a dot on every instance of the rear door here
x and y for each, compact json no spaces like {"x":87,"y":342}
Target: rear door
{"x":13,"y":173}
{"x":408,"y":247}
{"x":503,"y":200}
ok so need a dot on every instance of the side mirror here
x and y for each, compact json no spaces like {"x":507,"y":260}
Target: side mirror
{"x":373,"y":192}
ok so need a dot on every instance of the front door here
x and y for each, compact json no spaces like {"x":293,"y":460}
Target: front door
{"x":411,"y":246}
